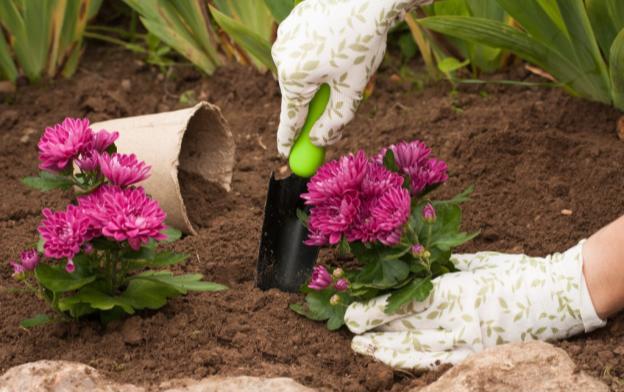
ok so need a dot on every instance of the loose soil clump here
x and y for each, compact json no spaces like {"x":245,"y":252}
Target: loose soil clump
{"x":531,"y":153}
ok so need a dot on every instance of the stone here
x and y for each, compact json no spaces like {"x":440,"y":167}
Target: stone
{"x":533,"y":366}
{"x":59,"y":376}
{"x":234,"y":384}
{"x":65,"y":376}
{"x":620,"y":128}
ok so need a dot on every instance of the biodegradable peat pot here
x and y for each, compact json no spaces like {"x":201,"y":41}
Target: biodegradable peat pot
{"x":196,"y":140}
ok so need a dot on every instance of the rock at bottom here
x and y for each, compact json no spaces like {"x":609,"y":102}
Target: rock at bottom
{"x":64,"y":376}
{"x":533,"y":366}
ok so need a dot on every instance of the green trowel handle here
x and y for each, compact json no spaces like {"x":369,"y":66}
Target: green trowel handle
{"x":305,"y":157}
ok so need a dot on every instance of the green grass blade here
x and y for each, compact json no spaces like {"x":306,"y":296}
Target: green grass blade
{"x":586,"y":51}
{"x":617,"y":70}
{"x":607,"y":19}
{"x":195,"y":16}
{"x":254,"y":44}
{"x":180,"y":43}
{"x":280,"y":9}
{"x":499,"y":35}
{"x":7,"y":65}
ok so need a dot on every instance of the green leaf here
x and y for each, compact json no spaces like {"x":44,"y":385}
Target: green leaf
{"x":96,"y":299}
{"x":607,"y":19}
{"x":144,"y":294}
{"x":416,"y":290}
{"x":449,"y":65}
{"x":254,"y":44}
{"x":167,"y":258}
{"x":40,"y":244}
{"x":37,"y":320}
{"x":47,"y":181}
{"x":381,"y":274}
{"x":452,"y":240}
{"x":389,"y":161}
{"x":57,"y":280}
{"x":8,"y":70}
{"x":616,"y":62}
{"x":280,"y":9}
{"x":181,"y":283}
{"x":172,"y":234}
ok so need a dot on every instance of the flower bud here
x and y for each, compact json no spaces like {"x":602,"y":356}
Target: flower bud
{"x":338,"y":273}
{"x":342,"y":284}
{"x":18,"y":268}
{"x":321,"y":279}
{"x":70,"y":266}
{"x":418,"y":250}
{"x":334,"y":300}
{"x":29,"y":259}
{"x":429,"y":213}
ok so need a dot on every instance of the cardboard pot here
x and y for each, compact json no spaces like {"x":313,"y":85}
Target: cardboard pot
{"x":196,"y":140}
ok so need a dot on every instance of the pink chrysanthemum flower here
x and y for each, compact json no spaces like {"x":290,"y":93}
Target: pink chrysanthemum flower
{"x":414,"y":160}
{"x":104,"y":139}
{"x":88,"y":161}
{"x":332,"y":219}
{"x":63,"y":142}
{"x":125,"y":215}
{"x":123,"y":169}
{"x":335,"y":178}
{"x":382,"y":217}
{"x":64,"y":232}
{"x":18,"y":268}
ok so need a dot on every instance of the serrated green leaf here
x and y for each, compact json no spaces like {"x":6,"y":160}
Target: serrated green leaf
{"x":172,"y":234}
{"x":96,"y":299}
{"x":148,"y":294}
{"x":381,"y":274}
{"x":416,"y":290}
{"x":181,"y":283}
{"x":57,"y":280}
{"x":47,"y":181}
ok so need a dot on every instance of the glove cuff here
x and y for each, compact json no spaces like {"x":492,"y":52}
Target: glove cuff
{"x":590,"y":318}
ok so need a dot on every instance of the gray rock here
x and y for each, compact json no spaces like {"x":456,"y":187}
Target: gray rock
{"x":533,"y":366}
{"x":234,"y":384}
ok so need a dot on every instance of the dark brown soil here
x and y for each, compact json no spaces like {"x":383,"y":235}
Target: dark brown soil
{"x":530,"y":152}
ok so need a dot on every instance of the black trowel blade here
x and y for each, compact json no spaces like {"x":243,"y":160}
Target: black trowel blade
{"x":284,"y":261}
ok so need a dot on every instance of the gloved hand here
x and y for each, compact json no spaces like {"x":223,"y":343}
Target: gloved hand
{"x":339,"y":42}
{"x":495,"y":298}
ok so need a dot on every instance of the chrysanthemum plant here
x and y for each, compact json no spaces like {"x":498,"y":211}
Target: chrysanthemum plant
{"x":379,"y":210}
{"x":95,"y":257}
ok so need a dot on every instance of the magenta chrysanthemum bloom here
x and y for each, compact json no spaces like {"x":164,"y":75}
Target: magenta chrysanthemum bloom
{"x":88,"y":161}
{"x":336,"y":178}
{"x":125,"y":215}
{"x":123,"y":169}
{"x":63,"y":142}
{"x":332,"y":219}
{"x":414,"y":160}
{"x":90,"y":203}
{"x":321,"y":279}
{"x":63,"y":232}
{"x":104,"y":139}
{"x":29,"y":259}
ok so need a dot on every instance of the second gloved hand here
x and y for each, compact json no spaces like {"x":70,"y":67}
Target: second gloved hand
{"x":338,"y":42}
{"x":495,"y":298}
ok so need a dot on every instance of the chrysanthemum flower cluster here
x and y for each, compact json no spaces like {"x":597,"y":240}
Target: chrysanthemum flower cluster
{"x":111,"y":227}
{"x":378,"y":209}
{"x":359,"y":199}
{"x":114,"y":209}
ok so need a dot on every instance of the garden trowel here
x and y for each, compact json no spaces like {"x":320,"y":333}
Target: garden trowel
{"x":284,"y":261}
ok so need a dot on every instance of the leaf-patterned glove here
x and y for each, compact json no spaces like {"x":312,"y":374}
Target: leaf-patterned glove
{"x":495,"y":298}
{"x":338,"y":42}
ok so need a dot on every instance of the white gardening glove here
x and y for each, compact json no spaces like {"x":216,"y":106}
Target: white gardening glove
{"x":495,"y":298}
{"x":339,"y":42}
